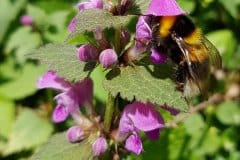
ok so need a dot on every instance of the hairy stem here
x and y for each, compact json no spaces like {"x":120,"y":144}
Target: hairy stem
{"x":108,"y":113}
{"x":216,"y":98}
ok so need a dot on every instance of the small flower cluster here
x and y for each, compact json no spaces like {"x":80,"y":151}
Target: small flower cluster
{"x":136,"y":116}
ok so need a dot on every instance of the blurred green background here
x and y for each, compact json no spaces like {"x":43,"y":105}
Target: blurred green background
{"x":25,"y":112}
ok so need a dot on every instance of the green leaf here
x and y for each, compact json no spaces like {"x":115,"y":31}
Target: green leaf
{"x":39,"y":16}
{"x":29,"y":131}
{"x":22,"y":45}
{"x":142,"y":4}
{"x":226,"y":46}
{"x":7,"y":115}
{"x":62,"y":59}
{"x":232,"y":7}
{"x":97,"y":77}
{"x":90,"y":19}
{"x":229,"y":113}
{"x":194,"y":124}
{"x":8,"y":12}
{"x":59,"y":148}
{"x":187,"y":5}
{"x":137,"y":82}
{"x":26,"y":81}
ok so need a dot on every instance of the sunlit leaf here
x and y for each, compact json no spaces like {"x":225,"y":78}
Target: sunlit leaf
{"x":59,"y":148}
{"x":145,"y":84}
{"x":29,"y":131}
{"x":62,"y":59}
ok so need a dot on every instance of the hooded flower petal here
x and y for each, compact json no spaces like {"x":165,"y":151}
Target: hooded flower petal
{"x":164,"y":8}
{"x":157,"y":57}
{"x":134,"y":144}
{"x":84,"y":91}
{"x":51,"y":80}
{"x":143,"y":31}
{"x":60,"y":114}
{"x":108,"y":58}
{"x":142,"y":116}
{"x":75,"y":134}
{"x":99,"y":146}
{"x":90,"y":4}
{"x":87,"y":53}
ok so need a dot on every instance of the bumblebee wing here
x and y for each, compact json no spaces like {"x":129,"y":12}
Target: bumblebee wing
{"x":214,"y":56}
{"x":184,"y":48}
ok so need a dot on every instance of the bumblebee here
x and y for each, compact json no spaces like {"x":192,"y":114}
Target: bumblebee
{"x":187,"y":47}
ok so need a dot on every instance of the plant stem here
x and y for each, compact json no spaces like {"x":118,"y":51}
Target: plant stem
{"x":108,"y":113}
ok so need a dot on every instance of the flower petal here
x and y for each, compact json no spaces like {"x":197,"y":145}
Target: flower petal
{"x":134,"y":144}
{"x":143,"y":31}
{"x":84,"y":91}
{"x":154,"y":134}
{"x":26,"y":20}
{"x":164,"y":8}
{"x":60,"y":114}
{"x":157,"y":57}
{"x":90,"y":4}
{"x":87,"y":53}
{"x":75,"y":134}
{"x":144,"y":116}
{"x":99,"y":146}
{"x":51,"y":80}
{"x":72,"y":24}
{"x":170,"y":109}
{"x":108,"y":58}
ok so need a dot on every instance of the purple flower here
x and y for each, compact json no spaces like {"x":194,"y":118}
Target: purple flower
{"x":99,"y":146}
{"x":26,"y":20}
{"x":134,"y":144}
{"x":108,"y":58}
{"x":72,"y":96}
{"x":164,"y":8}
{"x":157,"y":57}
{"x":139,"y":116}
{"x":72,"y":24}
{"x":90,"y":4}
{"x":143,"y":32}
{"x":87,"y":53}
{"x":75,"y":134}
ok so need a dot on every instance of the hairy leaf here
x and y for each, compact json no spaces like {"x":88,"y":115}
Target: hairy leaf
{"x":59,"y":148}
{"x":142,"y":4}
{"x":90,"y":19}
{"x":62,"y":59}
{"x":145,"y":84}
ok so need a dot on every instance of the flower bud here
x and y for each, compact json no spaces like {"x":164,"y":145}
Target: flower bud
{"x":26,"y":20}
{"x":158,"y":58}
{"x":87,"y":53}
{"x":108,"y":58}
{"x":75,"y":134}
{"x":99,"y":146}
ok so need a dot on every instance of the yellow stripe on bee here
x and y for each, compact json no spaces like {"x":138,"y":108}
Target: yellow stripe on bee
{"x":194,"y":37}
{"x":166,"y":23}
{"x":198,"y":53}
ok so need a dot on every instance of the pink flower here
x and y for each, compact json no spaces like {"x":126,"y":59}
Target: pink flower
{"x":99,"y":146}
{"x":71,"y":97}
{"x":157,"y":57}
{"x":75,"y":134}
{"x":87,"y":53}
{"x":164,"y":8}
{"x":26,"y":20}
{"x":139,"y":116}
{"x":108,"y":58}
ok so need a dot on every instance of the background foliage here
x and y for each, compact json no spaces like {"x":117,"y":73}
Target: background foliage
{"x":25,"y":113}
